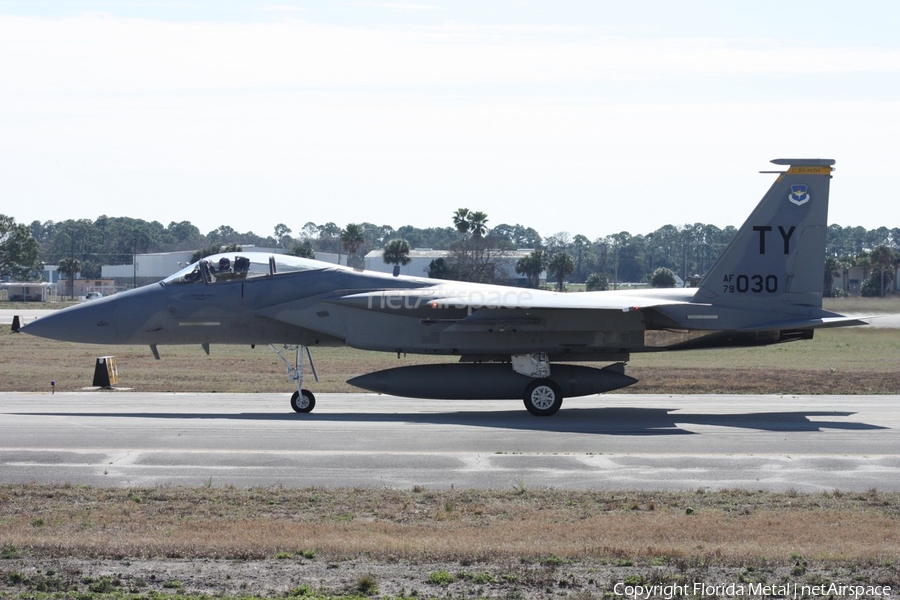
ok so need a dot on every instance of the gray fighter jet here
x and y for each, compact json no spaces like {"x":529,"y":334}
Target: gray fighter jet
{"x":766,"y":288}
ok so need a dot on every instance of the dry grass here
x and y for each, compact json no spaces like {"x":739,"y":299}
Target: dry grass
{"x":863,"y":306}
{"x":728,"y":528}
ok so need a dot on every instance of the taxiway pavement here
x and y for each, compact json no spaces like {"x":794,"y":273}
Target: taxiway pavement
{"x":25,"y":316}
{"x":122,"y":438}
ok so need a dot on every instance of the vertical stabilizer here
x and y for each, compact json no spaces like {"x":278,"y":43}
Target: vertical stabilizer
{"x":777,"y":258}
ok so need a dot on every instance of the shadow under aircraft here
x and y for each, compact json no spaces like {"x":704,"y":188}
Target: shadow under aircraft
{"x":625,"y":421}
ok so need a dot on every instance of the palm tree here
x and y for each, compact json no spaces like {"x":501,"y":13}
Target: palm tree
{"x":470,"y":221}
{"x":396,"y":252}
{"x":532,"y":266}
{"x":461,"y":220}
{"x":68,"y":267}
{"x":478,"y":224}
{"x":560,"y":267}
{"x":352,"y":238}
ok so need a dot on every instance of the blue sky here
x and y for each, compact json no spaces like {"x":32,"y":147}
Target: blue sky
{"x":585,"y":117}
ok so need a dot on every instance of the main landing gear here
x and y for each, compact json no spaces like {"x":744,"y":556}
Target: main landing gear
{"x":542,"y":396}
{"x":302,"y":401}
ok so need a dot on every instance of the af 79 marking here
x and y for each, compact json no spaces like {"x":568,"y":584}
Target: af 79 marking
{"x":755,"y":284}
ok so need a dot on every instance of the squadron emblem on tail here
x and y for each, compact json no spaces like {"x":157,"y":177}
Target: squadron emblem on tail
{"x":799,"y":194}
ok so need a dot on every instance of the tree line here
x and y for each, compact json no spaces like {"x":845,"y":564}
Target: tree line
{"x":474,"y":246}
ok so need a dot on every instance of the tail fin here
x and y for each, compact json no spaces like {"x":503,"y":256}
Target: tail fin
{"x":777,"y":258}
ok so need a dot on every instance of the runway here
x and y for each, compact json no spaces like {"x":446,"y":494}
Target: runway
{"x":122,"y":438}
{"x":25,"y":316}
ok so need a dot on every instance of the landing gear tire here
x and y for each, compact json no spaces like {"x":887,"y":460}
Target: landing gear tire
{"x":303,"y":401}
{"x":543,"y":398}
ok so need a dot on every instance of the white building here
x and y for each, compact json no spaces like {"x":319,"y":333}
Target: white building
{"x":51,"y":274}
{"x":147,"y":268}
{"x":30,"y":291}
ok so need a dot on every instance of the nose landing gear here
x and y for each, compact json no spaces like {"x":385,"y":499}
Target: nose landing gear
{"x":302,"y":401}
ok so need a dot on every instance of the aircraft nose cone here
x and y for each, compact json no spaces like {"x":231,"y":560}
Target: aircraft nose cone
{"x":92,"y":322}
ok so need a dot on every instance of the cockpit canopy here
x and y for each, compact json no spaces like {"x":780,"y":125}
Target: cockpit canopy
{"x":229,"y":266}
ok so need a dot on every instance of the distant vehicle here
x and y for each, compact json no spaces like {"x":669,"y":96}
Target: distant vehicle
{"x":766,"y":288}
{"x":93,"y":296}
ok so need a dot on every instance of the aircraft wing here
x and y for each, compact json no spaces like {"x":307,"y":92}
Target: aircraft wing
{"x":497,"y":297}
{"x":672,"y":306}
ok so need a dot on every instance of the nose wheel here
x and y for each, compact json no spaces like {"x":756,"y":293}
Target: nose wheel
{"x":303,"y":401}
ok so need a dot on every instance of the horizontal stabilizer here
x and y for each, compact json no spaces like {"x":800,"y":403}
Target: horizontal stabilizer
{"x":822,"y":323}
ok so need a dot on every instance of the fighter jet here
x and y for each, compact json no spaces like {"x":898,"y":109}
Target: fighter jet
{"x":766,"y":288}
